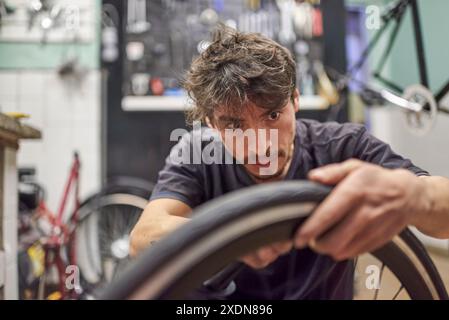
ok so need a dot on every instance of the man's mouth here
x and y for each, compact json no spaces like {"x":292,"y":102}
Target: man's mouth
{"x":263,"y":165}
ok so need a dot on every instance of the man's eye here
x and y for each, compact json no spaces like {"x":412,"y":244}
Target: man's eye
{"x":233,"y":125}
{"x":274,"y":115}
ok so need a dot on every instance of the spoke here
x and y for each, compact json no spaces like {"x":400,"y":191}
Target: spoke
{"x":109,"y":266}
{"x":291,"y":273}
{"x":105,"y":225}
{"x":116,"y":220}
{"x":105,"y":235}
{"x":356,"y":280}
{"x":376,"y":293}
{"x":132,"y":219}
{"x":397,"y":293}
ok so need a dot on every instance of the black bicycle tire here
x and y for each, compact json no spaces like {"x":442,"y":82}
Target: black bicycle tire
{"x":247,"y":203}
{"x":123,"y":185}
{"x":130,"y":185}
{"x":98,"y":200}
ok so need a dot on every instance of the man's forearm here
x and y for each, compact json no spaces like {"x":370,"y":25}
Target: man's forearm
{"x":152,"y":229}
{"x":435,"y":222}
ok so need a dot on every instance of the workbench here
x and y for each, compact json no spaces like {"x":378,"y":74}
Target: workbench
{"x":11,"y":132}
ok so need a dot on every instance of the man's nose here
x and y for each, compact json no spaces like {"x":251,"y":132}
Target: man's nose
{"x":261,"y":146}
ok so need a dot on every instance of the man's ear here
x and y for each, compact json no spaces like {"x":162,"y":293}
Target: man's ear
{"x":296,"y":100}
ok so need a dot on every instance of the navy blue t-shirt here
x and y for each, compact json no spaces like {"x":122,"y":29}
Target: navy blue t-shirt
{"x":301,"y":274}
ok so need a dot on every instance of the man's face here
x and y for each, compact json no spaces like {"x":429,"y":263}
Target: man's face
{"x":260,"y":139}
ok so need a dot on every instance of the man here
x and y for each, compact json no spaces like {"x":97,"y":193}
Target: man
{"x":245,"y":82}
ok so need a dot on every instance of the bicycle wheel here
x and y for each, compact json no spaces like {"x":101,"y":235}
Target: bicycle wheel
{"x":129,"y":185}
{"x":101,"y":236}
{"x":239,"y":222}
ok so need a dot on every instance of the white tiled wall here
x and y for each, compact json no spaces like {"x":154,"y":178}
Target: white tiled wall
{"x":68,"y":116}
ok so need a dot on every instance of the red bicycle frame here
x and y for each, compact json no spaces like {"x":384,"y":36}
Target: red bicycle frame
{"x":61,"y":234}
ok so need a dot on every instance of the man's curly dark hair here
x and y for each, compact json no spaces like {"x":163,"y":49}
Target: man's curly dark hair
{"x":237,"y":68}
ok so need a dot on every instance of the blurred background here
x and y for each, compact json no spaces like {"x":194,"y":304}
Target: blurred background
{"x":101,"y":78}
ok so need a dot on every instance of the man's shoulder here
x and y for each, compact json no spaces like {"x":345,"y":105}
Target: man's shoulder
{"x":322,"y":133}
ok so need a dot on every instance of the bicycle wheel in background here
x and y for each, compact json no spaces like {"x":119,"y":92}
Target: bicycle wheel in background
{"x":129,"y":185}
{"x":242,"y":221}
{"x":94,"y":234}
{"x":102,"y":236}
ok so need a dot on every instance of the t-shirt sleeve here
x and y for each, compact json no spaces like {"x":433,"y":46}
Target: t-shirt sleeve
{"x":369,"y":148}
{"x":180,"y":180}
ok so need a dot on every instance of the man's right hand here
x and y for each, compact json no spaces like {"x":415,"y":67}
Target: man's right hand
{"x":163,"y":216}
{"x":262,"y":257}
